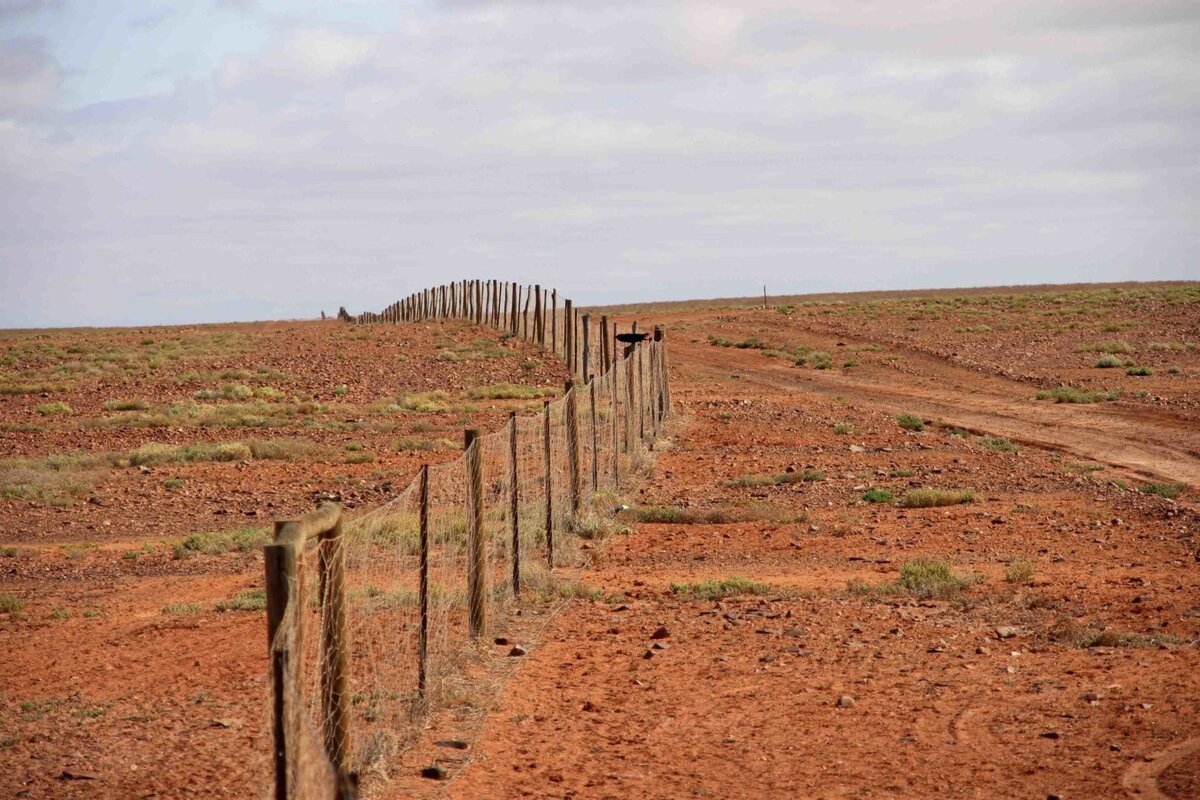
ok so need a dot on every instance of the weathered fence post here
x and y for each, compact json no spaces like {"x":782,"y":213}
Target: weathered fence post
{"x":613,"y":412}
{"x":476,"y":573}
{"x":605,"y":360}
{"x":572,"y":412}
{"x":335,"y":648}
{"x":554,"y":321}
{"x":281,"y":589}
{"x":549,"y":488}
{"x":587,"y":342}
{"x":595,"y":440}
{"x":568,"y":345}
{"x":423,"y":586}
{"x":514,"y":503}
{"x":629,"y":397}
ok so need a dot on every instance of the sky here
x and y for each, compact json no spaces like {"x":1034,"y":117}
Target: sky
{"x":173,"y":162}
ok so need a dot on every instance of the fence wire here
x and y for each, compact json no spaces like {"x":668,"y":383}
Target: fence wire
{"x":557,"y":500}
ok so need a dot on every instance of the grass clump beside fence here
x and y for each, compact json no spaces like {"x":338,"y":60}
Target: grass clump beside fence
{"x":251,"y":600}
{"x":510,"y":391}
{"x":219,"y":542}
{"x":797,"y":476}
{"x":718,"y":589}
{"x":935,"y":498}
{"x":1070,"y":394}
{"x":153,"y":454}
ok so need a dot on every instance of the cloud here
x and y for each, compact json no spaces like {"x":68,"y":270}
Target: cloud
{"x":619,"y":150}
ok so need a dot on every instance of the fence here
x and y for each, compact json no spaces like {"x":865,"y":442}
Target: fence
{"x":401,"y":592}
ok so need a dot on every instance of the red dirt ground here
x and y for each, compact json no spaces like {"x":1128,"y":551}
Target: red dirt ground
{"x":1077,"y":680}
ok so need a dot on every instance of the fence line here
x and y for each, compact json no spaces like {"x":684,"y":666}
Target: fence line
{"x":402,"y":591}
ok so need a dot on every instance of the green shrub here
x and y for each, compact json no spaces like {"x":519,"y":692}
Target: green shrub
{"x":152,"y":454}
{"x":11,"y":604}
{"x":998,"y":444}
{"x":878,"y":496}
{"x":844,"y":428}
{"x":920,"y":578}
{"x":252,"y":600}
{"x":1108,"y":362}
{"x":910,"y":422}
{"x":1139,"y":372}
{"x":1168,"y":490}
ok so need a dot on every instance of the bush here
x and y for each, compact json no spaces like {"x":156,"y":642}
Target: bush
{"x":509,"y":391}
{"x":126,"y":405}
{"x":934,"y":498}
{"x":998,"y":444}
{"x":1139,"y":372}
{"x":878,"y":496}
{"x":715,"y":590}
{"x":1019,"y":571}
{"x":1108,"y":362}
{"x":253,"y":600}
{"x":1069,"y":394}
{"x":152,"y":454}
{"x":1168,"y":490}
{"x":844,"y":428}
{"x":926,"y":580}
{"x":288,"y":450}
{"x":54,"y":409}
{"x":910,"y":422}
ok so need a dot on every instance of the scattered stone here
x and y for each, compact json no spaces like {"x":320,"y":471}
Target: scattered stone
{"x":227,"y":723}
{"x":1049,"y":734}
{"x":517,"y":651}
{"x":453,"y":744}
{"x":648,"y":654}
{"x":854,"y":448}
{"x":1006,"y":632}
{"x":660,"y":633}
{"x":1091,"y":697}
{"x":501,"y":640}
{"x":588,"y":705}
{"x":71,"y":775}
{"x":845,"y":701}
{"x":435,"y":772}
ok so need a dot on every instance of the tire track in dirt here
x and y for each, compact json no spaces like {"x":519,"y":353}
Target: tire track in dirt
{"x":1146,"y":442}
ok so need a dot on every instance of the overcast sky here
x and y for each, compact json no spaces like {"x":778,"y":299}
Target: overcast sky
{"x":231,"y":159}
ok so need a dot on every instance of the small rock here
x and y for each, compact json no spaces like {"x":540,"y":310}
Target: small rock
{"x":434,"y":772}
{"x":660,"y":633}
{"x":845,"y":701}
{"x":1049,"y":734}
{"x":648,"y":654}
{"x":1091,"y":697}
{"x":517,"y":651}
{"x":453,"y":744}
{"x":1006,"y":632}
{"x":500,"y":640}
{"x":588,"y":705}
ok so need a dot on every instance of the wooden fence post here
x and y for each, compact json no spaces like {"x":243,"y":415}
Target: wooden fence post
{"x":595,"y":440}
{"x":514,"y":503}
{"x":423,"y":586}
{"x":572,"y":412}
{"x":554,"y":321}
{"x":549,"y":487}
{"x":539,"y":334}
{"x":605,"y":360}
{"x":616,"y":443}
{"x":641,"y":390}
{"x":568,"y":345}
{"x":476,"y":573}
{"x":282,"y":568}
{"x":587,"y":342}
{"x":335,"y":649}
{"x":629,"y":397}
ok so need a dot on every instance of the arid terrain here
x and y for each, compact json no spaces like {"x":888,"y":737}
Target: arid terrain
{"x":894,"y":547}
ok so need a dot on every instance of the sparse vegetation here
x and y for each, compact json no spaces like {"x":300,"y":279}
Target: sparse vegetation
{"x":1139,"y":372}
{"x":10,"y":604}
{"x":1112,"y":348}
{"x":252,"y":600}
{"x":1019,"y":571}
{"x":509,"y":391}
{"x":1168,"y":490}
{"x":920,"y":578}
{"x":181,"y":608}
{"x":218,"y":542}
{"x":126,"y":405}
{"x":999,"y":444}
{"x":844,"y":428}
{"x":934,"y":498}
{"x":54,"y":409}
{"x":1069,"y":394}
{"x":1108,"y":362}
{"x":718,"y":589}
{"x":910,"y":422}
{"x":154,"y":454}
{"x":796,"y":476}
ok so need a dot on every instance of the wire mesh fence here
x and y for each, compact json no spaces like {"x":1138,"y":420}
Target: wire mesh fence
{"x":379,"y":632}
